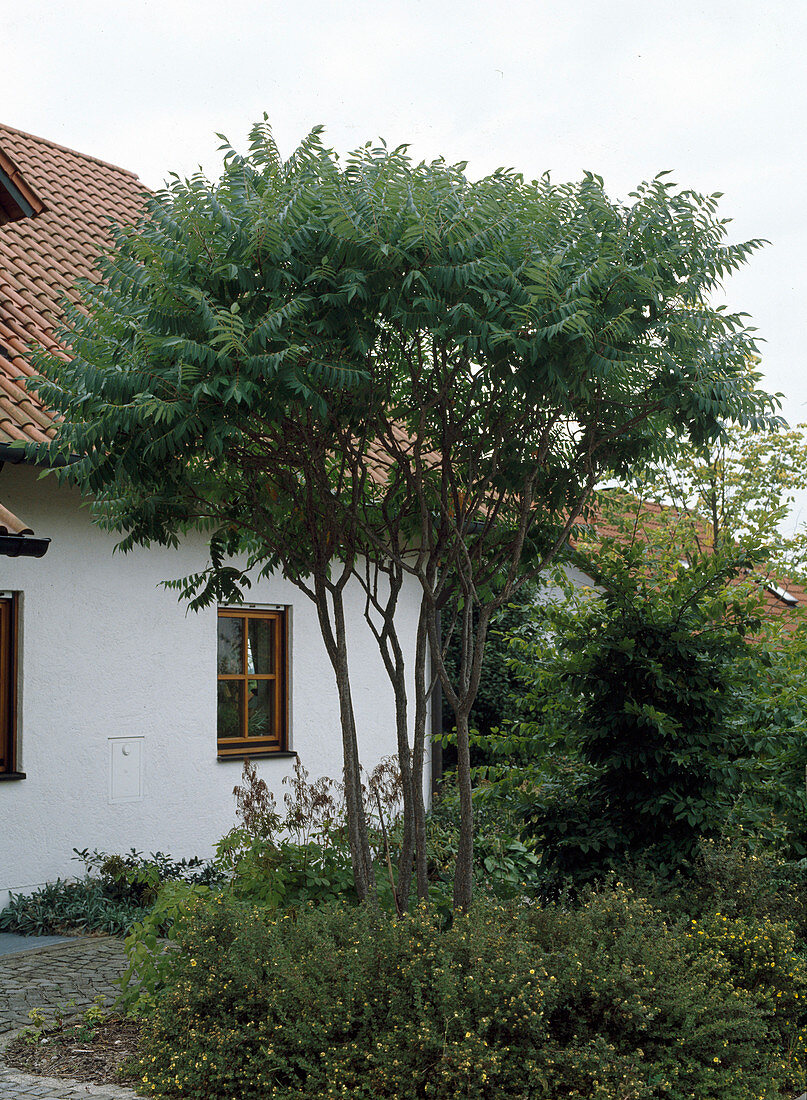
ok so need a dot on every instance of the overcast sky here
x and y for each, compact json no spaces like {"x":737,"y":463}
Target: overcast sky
{"x":714,"y":91}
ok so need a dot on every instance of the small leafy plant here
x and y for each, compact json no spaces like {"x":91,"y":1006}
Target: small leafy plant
{"x":278,"y":859}
{"x":62,"y":1025}
{"x":114,"y":894}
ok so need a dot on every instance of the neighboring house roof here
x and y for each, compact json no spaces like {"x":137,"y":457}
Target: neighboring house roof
{"x":619,"y":512}
{"x":42,"y":255}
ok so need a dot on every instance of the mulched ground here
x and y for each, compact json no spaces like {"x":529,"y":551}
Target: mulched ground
{"x":96,"y":1058}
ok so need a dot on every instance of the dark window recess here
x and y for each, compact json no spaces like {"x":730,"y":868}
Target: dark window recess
{"x":8,"y":686}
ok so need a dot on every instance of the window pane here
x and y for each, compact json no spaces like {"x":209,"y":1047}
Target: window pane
{"x":261,"y":708}
{"x":231,"y":645}
{"x":261,"y":646}
{"x":231,"y":708}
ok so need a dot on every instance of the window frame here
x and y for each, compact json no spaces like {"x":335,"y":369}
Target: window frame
{"x":9,"y":666}
{"x":229,"y":748}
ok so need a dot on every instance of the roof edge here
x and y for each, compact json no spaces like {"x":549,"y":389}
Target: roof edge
{"x":67,"y":149}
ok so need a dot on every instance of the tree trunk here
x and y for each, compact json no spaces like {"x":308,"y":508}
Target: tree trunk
{"x":398,"y":679}
{"x":418,"y":752}
{"x":463,"y":873}
{"x":392,"y":655}
{"x":335,"y":637}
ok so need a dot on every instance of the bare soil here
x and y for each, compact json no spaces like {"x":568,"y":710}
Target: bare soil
{"x":95,"y":1055}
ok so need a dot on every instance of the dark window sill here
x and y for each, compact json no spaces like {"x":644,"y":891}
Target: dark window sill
{"x":240,"y":757}
{"x":11,"y":775}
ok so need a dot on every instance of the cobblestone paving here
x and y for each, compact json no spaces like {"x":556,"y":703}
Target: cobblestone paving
{"x":70,"y":976}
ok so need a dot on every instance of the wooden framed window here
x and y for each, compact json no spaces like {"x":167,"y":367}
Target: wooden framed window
{"x":252,"y":658}
{"x":8,"y":688}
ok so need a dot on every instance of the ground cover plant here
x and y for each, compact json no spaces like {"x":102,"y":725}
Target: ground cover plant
{"x":115,"y":892}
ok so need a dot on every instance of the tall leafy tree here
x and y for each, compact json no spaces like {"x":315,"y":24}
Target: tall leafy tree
{"x":326,"y":364}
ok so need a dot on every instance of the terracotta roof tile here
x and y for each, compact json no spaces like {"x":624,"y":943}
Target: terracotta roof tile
{"x":619,"y":511}
{"x":42,"y":257}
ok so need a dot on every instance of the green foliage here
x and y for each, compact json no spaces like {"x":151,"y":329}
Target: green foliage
{"x":275,"y":861}
{"x":139,"y":877}
{"x":733,"y":497}
{"x":500,"y":688}
{"x":246,"y":326}
{"x":737,"y":491}
{"x":737,"y":880}
{"x":772,"y":806}
{"x":606,"y":1001}
{"x":67,"y":906}
{"x":150,"y":946}
{"x":279,"y":860}
{"x":114,"y":895}
{"x":653,"y":681}
{"x":60,"y":1024}
{"x":276,"y":873}
{"x":505,"y":863}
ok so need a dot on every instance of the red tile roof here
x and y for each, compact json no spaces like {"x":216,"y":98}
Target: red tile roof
{"x":617,"y":513}
{"x":42,"y":257}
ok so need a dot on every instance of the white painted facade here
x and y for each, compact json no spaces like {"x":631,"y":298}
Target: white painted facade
{"x":117,"y":696}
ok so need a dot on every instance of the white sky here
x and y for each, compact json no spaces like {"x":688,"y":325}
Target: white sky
{"x":713,"y":90}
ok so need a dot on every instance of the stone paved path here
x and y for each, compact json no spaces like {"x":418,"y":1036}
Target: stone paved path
{"x":70,"y":975}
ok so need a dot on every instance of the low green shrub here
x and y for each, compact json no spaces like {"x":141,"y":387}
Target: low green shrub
{"x":505,"y":863}
{"x":606,"y":1001}
{"x":150,"y":944}
{"x":761,"y":958}
{"x":116,"y":893}
{"x":737,"y":878}
{"x":61,"y":906}
{"x":743,"y":882}
{"x":136,"y":877}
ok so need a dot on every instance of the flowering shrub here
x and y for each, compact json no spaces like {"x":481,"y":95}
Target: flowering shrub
{"x":739,"y":881}
{"x":604,"y":1002}
{"x":760,"y":957}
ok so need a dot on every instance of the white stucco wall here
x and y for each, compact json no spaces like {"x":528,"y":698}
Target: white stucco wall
{"x":105,"y":652}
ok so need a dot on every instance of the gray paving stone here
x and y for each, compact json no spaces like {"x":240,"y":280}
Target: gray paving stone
{"x":11,"y":943}
{"x":50,"y":978}
{"x":22,"y":1086}
{"x":64,"y":977}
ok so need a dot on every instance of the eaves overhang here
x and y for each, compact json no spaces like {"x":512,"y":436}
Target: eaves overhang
{"x":23,"y":546}
{"x":14,"y":453}
{"x":17,"y":540}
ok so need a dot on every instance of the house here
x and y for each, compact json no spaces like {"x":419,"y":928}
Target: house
{"x":624,"y":518}
{"x":124,"y":718}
